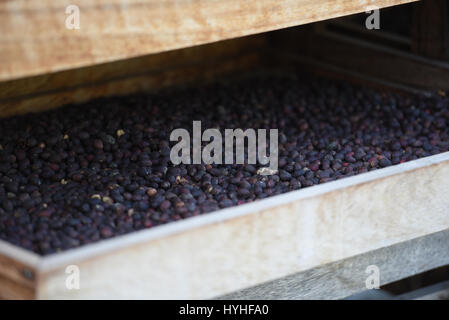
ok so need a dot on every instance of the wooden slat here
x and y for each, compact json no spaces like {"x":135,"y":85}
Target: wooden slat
{"x":438,"y":291}
{"x":288,"y":62}
{"x":343,"y":278}
{"x":382,"y":37}
{"x":34,"y":39}
{"x":367,"y":58}
{"x":237,"y":248}
{"x":11,"y":290}
{"x":431,"y":29}
{"x":18,"y":272}
{"x":148,"y":73}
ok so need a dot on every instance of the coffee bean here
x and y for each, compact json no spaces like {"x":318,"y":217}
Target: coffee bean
{"x":284,"y":175}
{"x":98,"y":144}
{"x":384,"y":162}
{"x":165,"y":205}
{"x":7,"y":205}
{"x":106,"y":232}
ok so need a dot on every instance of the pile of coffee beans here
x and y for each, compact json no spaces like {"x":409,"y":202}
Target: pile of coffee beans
{"x":83,"y":173}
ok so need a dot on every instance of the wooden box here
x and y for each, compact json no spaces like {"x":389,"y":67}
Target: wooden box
{"x":311,"y":243}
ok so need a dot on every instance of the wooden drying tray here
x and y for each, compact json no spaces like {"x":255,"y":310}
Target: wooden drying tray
{"x":311,"y":243}
{"x":34,"y":39}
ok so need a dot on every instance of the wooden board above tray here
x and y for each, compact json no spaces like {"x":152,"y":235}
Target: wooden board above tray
{"x":34,"y":38}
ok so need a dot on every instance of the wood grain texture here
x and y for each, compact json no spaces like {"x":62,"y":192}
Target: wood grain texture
{"x":18,"y":272}
{"x":437,"y":291}
{"x":11,"y":290}
{"x":149,"y":73}
{"x":289,"y":62}
{"x":430,"y":29}
{"x":343,"y":278}
{"x":34,"y":39}
{"x":369,"y":59}
{"x":237,"y":248}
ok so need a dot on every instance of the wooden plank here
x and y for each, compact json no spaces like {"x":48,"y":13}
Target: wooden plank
{"x":368,"y":58}
{"x":438,"y":291}
{"x":11,"y":290}
{"x":431,"y":29}
{"x":148,"y":73}
{"x":18,"y":272}
{"x":442,"y":294}
{"x":289,"y":61}
{"x":341,"y":279}
{"x":35,"y":40}
{"x":147,"y":82}
{"x":237,"y":248}
{"x":65,"y":80}
{"x":381,"y":36}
